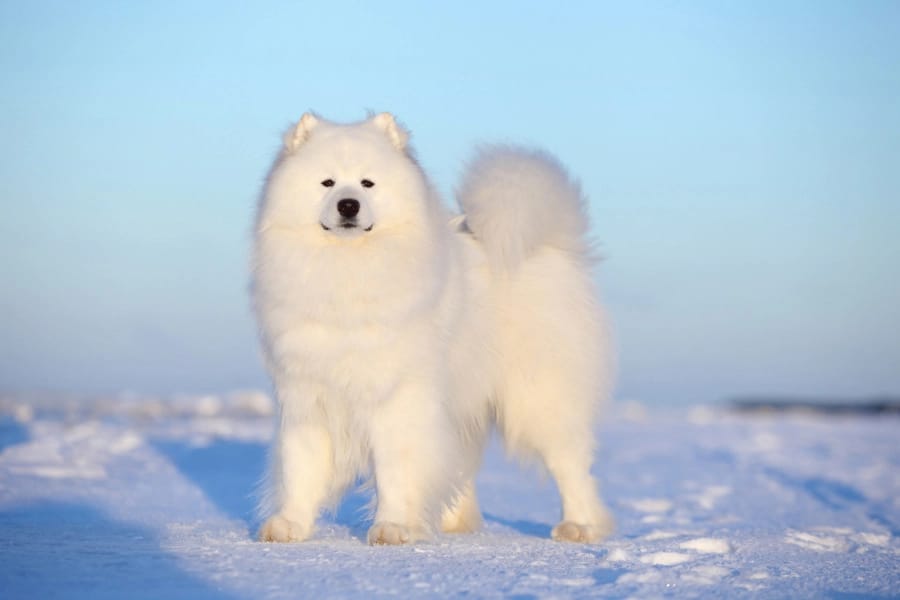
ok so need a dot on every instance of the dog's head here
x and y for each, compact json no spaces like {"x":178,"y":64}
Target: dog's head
{"x":343,"y":181}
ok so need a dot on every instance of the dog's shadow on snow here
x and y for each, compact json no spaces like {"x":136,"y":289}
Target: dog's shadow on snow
{"x":12,"y":432}
{"x":229,"y":473}
{"x":354,"y":512}
{"x":529,"y":528}
{"x":62,"y":549}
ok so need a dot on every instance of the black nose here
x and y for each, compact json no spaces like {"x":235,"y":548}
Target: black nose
{"x":348,"y":207}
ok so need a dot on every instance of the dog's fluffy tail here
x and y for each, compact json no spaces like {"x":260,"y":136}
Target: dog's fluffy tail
{"x":517,"y":200}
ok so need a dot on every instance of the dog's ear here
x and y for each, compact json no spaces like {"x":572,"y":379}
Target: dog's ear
{"x":297,"y":134}
{"x":396,"y":133}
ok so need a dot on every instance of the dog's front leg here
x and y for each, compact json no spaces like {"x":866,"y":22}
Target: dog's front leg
{"x":301,"y":473}
{"x":410,"y":448}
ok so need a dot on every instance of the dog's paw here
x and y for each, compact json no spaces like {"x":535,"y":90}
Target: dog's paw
{"x":279,"y":529}
{"x":387,"y":533}
{"x":569,"y":531}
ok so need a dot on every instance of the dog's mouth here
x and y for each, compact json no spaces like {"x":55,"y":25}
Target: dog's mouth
{"x":347,"y":225}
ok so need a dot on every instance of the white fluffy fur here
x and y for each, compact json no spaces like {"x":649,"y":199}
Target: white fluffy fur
{"x":517,"y":200}
{"x":393,"y":350}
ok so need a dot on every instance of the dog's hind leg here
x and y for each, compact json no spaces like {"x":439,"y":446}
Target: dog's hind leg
{"x":549,"y":416}
{"x":584,"y":516}
{"x":463,"y":515}
{"x":568,"y":459}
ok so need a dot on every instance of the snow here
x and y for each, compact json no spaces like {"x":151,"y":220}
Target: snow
{"x":707,"y":545}
{"x":126,"y":496}
{"x":665,"y":558}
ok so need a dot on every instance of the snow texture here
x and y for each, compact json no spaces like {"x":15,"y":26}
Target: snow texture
{"x":152,"y":498}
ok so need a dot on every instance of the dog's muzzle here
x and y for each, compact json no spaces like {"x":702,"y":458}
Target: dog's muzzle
{"x":348,"y":210}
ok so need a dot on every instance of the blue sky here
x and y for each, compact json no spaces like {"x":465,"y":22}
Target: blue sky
{"x":741,"y":160}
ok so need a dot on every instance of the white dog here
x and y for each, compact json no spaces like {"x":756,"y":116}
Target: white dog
{"x":396,"y":335}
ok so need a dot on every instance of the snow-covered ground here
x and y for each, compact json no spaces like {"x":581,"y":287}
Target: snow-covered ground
{"x":129,"y":497}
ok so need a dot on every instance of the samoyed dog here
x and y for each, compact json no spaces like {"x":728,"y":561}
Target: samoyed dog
{"x":397,"y":334}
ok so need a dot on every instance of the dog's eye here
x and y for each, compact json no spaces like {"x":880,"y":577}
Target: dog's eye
{"x":328,"y":183}
{"x":367,"y":183}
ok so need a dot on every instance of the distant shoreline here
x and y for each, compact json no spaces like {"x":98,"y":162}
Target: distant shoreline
{"x":782,"y":404}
